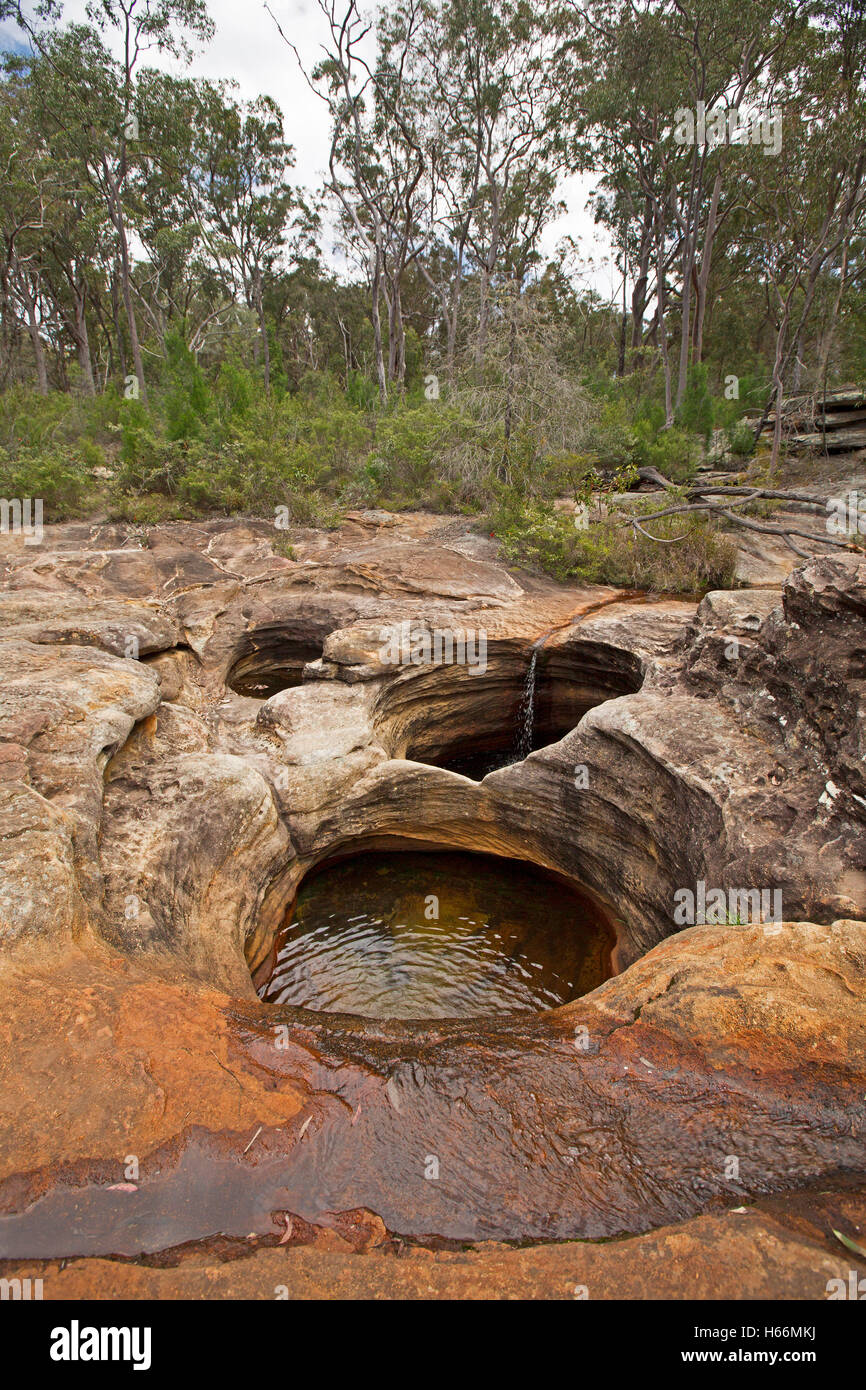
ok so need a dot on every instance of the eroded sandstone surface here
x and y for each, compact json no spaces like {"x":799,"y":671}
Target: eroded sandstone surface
{"x":156,"y":825}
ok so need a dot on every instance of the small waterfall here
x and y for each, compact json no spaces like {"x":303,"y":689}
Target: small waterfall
{"x":526,"y":709}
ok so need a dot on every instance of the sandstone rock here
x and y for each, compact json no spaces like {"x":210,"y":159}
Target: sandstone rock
{"x":742,"y":1254}
{"x":614,"y":1114}
{"x":157,"y":824}
{"x":39,"y":897}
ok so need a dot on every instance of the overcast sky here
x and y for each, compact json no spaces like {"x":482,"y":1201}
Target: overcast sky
{"x":248,"y":49}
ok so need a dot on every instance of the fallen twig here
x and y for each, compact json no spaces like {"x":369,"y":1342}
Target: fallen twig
{"x":708,"y":498}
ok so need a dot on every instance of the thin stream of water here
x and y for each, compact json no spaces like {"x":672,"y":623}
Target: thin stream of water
{"x":526,"y":709}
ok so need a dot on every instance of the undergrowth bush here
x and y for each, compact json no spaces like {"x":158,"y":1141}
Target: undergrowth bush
{"x":50,"y":473}
{"x":608,"y":552}
{"x":211,"y":443}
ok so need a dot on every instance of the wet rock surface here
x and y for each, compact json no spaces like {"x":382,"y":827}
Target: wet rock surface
{"x":777,"y":1249}
{"x":156,"y":824}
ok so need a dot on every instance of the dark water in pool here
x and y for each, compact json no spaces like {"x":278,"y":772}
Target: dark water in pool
{"x":364,"y":939}
{"x":261,"y":685}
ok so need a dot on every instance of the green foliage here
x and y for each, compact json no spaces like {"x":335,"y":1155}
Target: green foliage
{"x":187,"y":399}
{"x":92,"y":455}
{"x":608,"y":552}
{"x":30,"y":420}
{"x":630,"y":432}
{"x":612,"y":438}
{"x":752,"y":391}
{"x":435,"y":453}
{"x":50,"y":445}
{"x":215,"y":443}
{"x":49,"y":473}
{"x":236,"y":388}
{"x":741,"y":440}
{"x":242,"y":451}
{"x":695,"y":415}
{"x":283,"y":546}
{"x":361,"y":391}
{"x":674,"y":452}
{"x":854,"y":1246}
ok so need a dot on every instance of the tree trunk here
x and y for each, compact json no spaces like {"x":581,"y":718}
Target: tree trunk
{"x":375,"y":294}
{"x":829,"y":332}
{"x":483,"y":318}
{"x":685,"y":317}
{"x":35,"y":337}
{"x":638,"y":294}
{"x":452,"y":319}
{"x":137,"y":359}
{"x":263,"y":329}
{"x":778,"y":385}
{"x":799,"y":350}
{"x":83,"y":342}
{"x":392,"y":334}
{"x":620,"y":365}
{"x":115,"y":208}
{"x":118,"y":331}
{"x":396,"y":336}
{"x":706,"y":262}
{"x":660,"y":320}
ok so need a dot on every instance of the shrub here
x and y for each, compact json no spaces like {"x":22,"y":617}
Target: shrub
{"x":218,"y":444}
{"x":52,"y":474}
{"x":741,"y":440}
{"x":673,"y":452}
{"x":609,"y":552}
{"x":695,"y":414}
{"x":187,"y":401}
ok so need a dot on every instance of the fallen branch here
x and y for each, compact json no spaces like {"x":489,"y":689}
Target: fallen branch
{"x":772,"y":494}
{"x":708,"y":499}
{"x":652,"y":475}
{"x":779,"y":531}
{"x":659,"y":540}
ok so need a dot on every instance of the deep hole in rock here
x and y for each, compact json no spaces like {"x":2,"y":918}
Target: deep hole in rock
{"x":435,"y":934}
{"x":270,"y":661}
{"x":475,"y":724}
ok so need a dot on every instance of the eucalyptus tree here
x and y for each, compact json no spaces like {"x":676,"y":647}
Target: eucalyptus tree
{"x":245,"y":210}
{"x":66,"y":101}
{"x":180,"y":283}
{"x":27,"y":193}
{"x":840,"y":68}
{"x":659,"y":89}
{"x":491,"y":82}
{"x":621,"y":96}
{"x":168,"y":279}
{"x":139,"y":27}
{"x":440,"y":151}
{"x":344,"y":81}
{"x":403,"y":132}
{"x":805,"y":208}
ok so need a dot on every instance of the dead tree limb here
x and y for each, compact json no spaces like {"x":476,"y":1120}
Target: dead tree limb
{"x":707,"y":497}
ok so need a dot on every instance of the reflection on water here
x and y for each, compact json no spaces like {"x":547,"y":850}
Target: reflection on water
{"x":262,"y":684}
{"x":365,"y":938}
